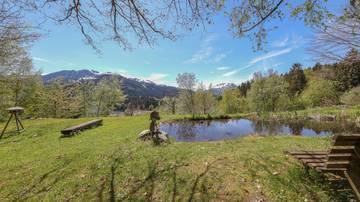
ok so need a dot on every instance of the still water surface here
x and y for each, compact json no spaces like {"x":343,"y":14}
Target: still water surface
{"x":192,"y":131}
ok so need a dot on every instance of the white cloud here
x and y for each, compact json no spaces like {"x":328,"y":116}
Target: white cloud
{"x":230,"y":73}
{"x":294,"y":40}
{"x":209,"y":39}
{"x":223,"y":68}
{"x":206,"y":52}
{"x":157,"y":78}
{"x":270,"y":55}
{"x":219,"y":57}
{"x":120,"y":71}
{"x":41,"y":59}
{"x":202,"y":54}
{"x":281,"y":43}
{"x":276,"y":64}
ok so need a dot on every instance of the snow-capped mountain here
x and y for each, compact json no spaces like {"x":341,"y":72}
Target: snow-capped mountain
{"x":218,"y":89}
{"x":131,"y":86}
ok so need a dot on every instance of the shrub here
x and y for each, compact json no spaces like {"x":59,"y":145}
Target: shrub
{"x":320,"y":93}
{"x":351,"y":97}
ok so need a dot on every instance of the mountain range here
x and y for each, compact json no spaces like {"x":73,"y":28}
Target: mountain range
{"x":131,"y":86}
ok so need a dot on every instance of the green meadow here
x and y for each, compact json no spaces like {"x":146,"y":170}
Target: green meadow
{"x":109,"y":163}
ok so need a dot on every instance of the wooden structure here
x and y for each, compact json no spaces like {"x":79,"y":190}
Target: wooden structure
{"x":76,"y":129}
{"x":14,"y":111}
{"x":343,"y":158}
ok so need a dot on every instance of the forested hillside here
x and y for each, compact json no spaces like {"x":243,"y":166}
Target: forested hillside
{"x":322,"y":85}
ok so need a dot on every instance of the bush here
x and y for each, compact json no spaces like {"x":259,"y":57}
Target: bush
{"x":351,"y":97}
{"x":320,"y":93}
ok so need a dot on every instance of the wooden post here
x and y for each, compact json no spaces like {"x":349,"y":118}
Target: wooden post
{"x":14,"y":111}
{"x":7,"y":123}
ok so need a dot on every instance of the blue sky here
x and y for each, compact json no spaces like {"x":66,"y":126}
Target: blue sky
{"x":214,"y":55}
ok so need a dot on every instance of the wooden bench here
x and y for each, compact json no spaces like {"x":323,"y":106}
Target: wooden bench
{"x":343,"y":158}
{"x":76,"y":129}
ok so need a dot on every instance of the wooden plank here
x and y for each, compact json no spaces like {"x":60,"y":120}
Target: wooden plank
{"x":307,"y":156}
{"x":313,"y":160}
{"x":314,"y":165}
{"x":339,"y":156}
{"x":341,"y":149}
{"x":357,"y":151}
{"x":304,"y":152}
{"x":345,"y":142}
{"x":333,"y":169}
{"x":83,"y":126}
{"x":347,"y":137}
{"x":337,"y":164}
{"x":354,"y":182}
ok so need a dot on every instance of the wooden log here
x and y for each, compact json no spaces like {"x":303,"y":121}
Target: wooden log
{"x":74,"y":129}
{"x":339,"y":157}
{"x":347,"y":137}
{"x":353,"y":175}
{"x":307,"y":156}
{"x":313,"y":160}
{"x":304,"y":152}
{"x":341,"y":149}
{"x":337,"y":164}
{"x":315,"y":165}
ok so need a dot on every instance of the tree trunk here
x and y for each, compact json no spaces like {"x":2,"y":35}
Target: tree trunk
{"x":99,"y":106}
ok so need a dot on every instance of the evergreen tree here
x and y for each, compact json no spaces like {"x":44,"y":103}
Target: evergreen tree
{"x":244,"y":88}
{"x":296,"y":79}
{"x":347,"y":72}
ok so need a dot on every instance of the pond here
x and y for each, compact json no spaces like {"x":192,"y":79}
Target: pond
{"x":192,"y":131}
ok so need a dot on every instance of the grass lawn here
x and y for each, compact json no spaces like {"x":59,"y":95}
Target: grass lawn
{"x":109,"y":163}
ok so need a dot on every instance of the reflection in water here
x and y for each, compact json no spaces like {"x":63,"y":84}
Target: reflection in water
{"x":226,"y":129}
{"x":297,"y":127}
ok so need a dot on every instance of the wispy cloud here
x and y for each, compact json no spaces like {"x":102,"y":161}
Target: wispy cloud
{"x":294,"y":40}
{"x":230,"y":73}
{"x":223,"y":68}
{"x":206,"y":52}
{"x":270,"y":55}
{"x":121,"y":71}
{"x":157,"y":78}
{"x":281,"y":43}
{"x":219,"y":57}
{"x":203,"y":54}
{"x":39,"y":59}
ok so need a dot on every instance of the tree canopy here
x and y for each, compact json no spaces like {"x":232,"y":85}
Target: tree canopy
{"x":146,"y":21}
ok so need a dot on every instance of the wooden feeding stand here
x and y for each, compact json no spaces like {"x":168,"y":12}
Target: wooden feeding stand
{"x":343,"y":158}
{"x":14,"y":111}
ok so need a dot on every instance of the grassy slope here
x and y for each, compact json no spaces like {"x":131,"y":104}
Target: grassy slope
{"x":349,"y":113}
{"x":110,"y":163}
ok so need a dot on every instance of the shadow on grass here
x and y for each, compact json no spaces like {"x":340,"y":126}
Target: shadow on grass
{"x":156,"y":174}
{"x":300,"y":178}
{"x":149,"y":182}
{"x":204,"y":190}
{"x":40,"y":186}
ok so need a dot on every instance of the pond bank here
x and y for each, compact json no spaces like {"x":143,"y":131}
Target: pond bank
{"x":337,"y":114}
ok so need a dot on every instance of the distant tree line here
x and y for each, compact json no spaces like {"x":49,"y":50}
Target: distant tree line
{"x":317,"y":86}
{"x":22,"y":86}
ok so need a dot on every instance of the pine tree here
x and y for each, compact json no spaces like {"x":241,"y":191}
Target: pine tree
{"x":296,"y":79}
{"x":347,"y":72}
